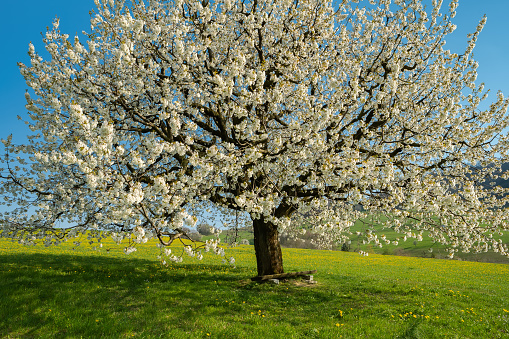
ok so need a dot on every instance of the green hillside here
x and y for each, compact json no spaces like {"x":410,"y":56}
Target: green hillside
{"x":410,"y":247}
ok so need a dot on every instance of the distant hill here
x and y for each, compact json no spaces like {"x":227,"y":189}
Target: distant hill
{"x":504,"y":183}
{"x":490,"y":183}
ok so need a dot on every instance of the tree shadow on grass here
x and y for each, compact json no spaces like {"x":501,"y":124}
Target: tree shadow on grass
{"x":93,"y":296}
{"x":71,"y":295}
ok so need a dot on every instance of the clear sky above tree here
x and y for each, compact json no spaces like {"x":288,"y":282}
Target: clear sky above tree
{"x":25,"y":20}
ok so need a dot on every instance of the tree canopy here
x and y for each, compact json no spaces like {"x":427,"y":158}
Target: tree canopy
{"x":295,"y":112}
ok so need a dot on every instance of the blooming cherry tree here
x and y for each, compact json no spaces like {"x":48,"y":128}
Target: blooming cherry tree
{"x":294,"y":112}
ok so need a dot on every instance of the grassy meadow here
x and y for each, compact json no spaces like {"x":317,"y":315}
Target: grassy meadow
{"x":409,"y":247}
{"x":61,"y":292}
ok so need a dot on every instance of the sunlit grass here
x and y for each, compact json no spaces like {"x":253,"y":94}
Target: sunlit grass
{"x":410,"y":247}
{"x":61,"y":292}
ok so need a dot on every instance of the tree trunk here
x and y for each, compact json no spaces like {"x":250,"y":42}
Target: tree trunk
{"x":269,"y":259}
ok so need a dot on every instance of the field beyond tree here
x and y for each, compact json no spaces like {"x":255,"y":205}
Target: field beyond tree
{"x":427,"y":248}
{"x":64,"y":292}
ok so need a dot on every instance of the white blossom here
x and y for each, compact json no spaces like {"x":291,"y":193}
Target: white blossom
{"x":288,"y":115}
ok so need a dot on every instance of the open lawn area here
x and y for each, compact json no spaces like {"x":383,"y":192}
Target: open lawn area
{"x":59,"y":292}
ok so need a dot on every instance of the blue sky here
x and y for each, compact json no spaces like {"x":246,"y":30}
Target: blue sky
{"x":27,"y":19}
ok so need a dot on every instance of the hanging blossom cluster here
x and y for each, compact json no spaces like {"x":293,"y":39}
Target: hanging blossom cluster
{"x":305,"y":115}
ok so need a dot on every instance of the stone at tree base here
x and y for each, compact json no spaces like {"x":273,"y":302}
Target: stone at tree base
{"x":282,"y":275}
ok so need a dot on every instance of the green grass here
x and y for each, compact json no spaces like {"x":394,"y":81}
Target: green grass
{"x":413,"y":248}
{"x":63,"y":293}
{"x":410,"y":247}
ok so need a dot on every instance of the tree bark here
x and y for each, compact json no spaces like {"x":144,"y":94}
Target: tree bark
{"x":269,"y":259}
